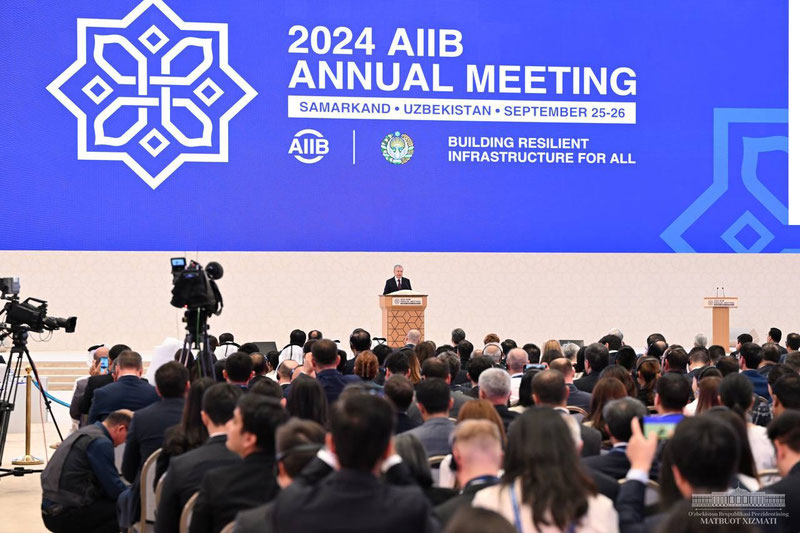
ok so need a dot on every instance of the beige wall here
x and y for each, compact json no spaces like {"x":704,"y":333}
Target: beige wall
{"x":124,"y":296}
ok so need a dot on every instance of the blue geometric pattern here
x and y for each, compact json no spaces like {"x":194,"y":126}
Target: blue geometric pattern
{"x":674,"y":236}
{"x":747,"y":219}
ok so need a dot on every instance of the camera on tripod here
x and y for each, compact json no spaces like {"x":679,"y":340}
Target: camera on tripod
{"x":30,"y":313}
{"x":195,"y":287}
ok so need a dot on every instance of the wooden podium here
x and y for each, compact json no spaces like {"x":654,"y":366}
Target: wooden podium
{"x":721,"y":319}
{"x":402,"y":311}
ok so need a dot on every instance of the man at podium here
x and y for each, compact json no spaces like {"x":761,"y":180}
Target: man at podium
{"x":398,"y":282}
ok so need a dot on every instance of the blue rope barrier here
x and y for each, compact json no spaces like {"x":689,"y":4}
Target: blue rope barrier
{"x":49,"y":396}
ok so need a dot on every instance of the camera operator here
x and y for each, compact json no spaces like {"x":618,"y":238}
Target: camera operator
{"x":80,"y":484}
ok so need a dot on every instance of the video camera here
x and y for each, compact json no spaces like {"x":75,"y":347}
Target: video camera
{"x":30,"y":313}
{"x":194,"y":287}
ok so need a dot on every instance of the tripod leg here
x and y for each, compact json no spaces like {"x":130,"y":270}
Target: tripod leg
{"x":47,"y":402}
{"x":10,"y":387}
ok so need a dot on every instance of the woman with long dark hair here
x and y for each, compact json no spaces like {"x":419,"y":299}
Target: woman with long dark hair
{"x":648,"y":370}
{"x":307,"y":400}
{"x":544,"y":488}
{"x":607,"y":389}
{"x":191,"y":432}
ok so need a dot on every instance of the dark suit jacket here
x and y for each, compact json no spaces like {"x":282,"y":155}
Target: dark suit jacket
{"x":184,"y":476}
{"x":506,"y":415}
{"x":146,"y":433}
{"x":790,"y":487}
{"x":404,"y":423}
{"x":334,"y":382}
{"x":578,"y":398}
{"x":94,"y":383}
{"x":227,"y":490}
{"x":128,"y":392}
{"x":391,"y":285}
{"x":587,"y":382}
{"x":445,"y":511}
{"x":348,"y":501}
{"x":614,"y":464}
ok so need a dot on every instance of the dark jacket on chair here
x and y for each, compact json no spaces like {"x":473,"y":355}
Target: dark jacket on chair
{"x":184,"y":476}
{"x":227,"y":490}
{"x":128,"y":392}
{"x":146,"y":433}
{"x":349,"y":501}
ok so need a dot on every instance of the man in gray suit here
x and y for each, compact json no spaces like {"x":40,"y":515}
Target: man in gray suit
{"x":434,"y":403}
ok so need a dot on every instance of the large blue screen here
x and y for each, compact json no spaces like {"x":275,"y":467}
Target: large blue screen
{"x":456,"y":126}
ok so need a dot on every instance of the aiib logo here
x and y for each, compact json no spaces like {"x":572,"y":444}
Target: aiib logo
{"x":308,"y":146}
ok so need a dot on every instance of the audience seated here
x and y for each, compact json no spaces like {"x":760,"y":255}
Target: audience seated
{"x":477,"y":458}
{"x":746,"y":475}
{"x":770,"y":356}
{"x":605,"y":390}
{"x":672,"y":394}
{"x":596,"y":356}
{"x":784,"y":432}
{"x":297,"y":443}
{"x":146,"y":434}
{"x":365,"y":366}
{"x":526,"y":391}
{"x":186,"y":471}
{"x":477,"y":365}
{"x":543,"y":483}
{"x":325,"y":358}
{"x":260,"y":367}
{"x":80,"y":385}
{"x":617,"y":415}
{"x":576,"y":397}
{"x":294,"y":350}
{"x":80,"y":483}
{"x":238,"y":370}
{"x":750,"y":357}
{"x":190,"y":432}
{"x":400,"y":392}
{"x":495,"y":386}
{"x":438,"y":368}
{"x":700,"y":436}
{"x":515,"y":363}
{"x":308,"y":401}
{"x":413,"y":454}
{"x":549,"y":390}
{"x":100,"y":380}
{"x":227,"y":490}
{"x":786,"y":394}
{"x":623,"y":375}
{"x":352,"y":497}
{"x":648,"y":370}
{"x":736,"y":393}
{"x":129,"y":390}
{"x":707,"y":394}
{"x":285,"y":371}
{"x":434,"y":404}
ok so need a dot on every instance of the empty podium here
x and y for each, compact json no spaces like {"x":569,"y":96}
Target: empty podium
{"x":721,"y":319}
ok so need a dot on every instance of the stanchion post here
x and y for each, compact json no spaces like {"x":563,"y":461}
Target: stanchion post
{"x":28,"y":459}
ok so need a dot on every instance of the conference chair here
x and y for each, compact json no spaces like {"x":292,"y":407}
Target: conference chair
{"x":574,"y":409}
{"x":147,"y":495}
{"x":159,"y":488}
{"x":768,"y":476}
{"x":186,"y":514}
{"x":434,"y":462}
